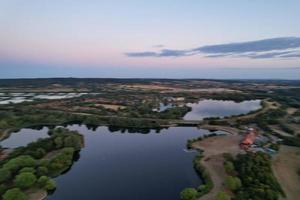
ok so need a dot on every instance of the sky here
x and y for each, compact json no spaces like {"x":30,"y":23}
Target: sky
{"x":150,"y":39}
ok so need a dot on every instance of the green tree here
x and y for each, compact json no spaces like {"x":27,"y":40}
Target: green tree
{"x":3,"y":189}
{"x":42,"y":181}
{"x":14,"y":194}
{"x":46,"y":183}
{"x":39,"y":153}
{"x":61,"y":161}
{"x":58,"y":142}
{"x":73,"y":141}
{"x":50,"y":185}
{"x":25,"y":180}
{"x":233,"y":183}
{"x":222,"y":196}
{"x":189,"y":194}
{"x":41,"y":171}
{"x":17,"y":163}
{"x":3,"y":124}
{"x":229,"y":167}
{"x":27,"y":169}
{"x":4,"y":175}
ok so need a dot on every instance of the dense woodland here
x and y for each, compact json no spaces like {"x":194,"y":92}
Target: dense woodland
{"x":251,"y":177}
{"x":31,"y":168}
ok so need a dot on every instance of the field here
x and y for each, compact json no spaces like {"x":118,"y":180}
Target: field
{"x":285,"y":165}
{"x":213,"y":160}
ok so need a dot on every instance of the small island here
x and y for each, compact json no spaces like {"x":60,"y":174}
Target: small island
{"x":27,"y":172}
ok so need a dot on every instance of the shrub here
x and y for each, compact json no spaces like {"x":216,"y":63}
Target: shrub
{"x":19,"y":162}
{"x":14,"y":194}
{"x":222,"y":196}
{"x":25,"y":180}
{"x":233,"y":183}
{"x":42,"y":181}
{"x":189,"y":194}
{"x":50,"y":185}
{"x":39,"y":153}
{"x":42,"y":171}
{"x":228,"y":157}
{"x":73,"y":141}
{"x":61,"y":161}
{"x":4,"y":175}
{"x":58,"y":142}
{"x":3,"y":189}
{"x":27,"y":169}
{"x":229,"y":167}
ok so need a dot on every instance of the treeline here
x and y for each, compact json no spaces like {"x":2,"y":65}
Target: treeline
{"x":237,"y":97}
{"x":263,"y":120}
{"x":44,"y":117}
{"x":288,"y":97}
{"x":251,"y":177}
{"x":32,"y":167}
{"x":195,"y":193}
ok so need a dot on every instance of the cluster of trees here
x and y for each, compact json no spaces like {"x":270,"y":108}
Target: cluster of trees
{"x":237,"y":97}
{"x":289,"y":97}
{"x":263,"y":120}
{"x":21,"y":116}
{"x":29,"y":118}
{"x":286,"y":128}
{"x":193,"y":193}
{"x":30,"y":167}
{"x":252,"y":178}
{"x":146,"y":111}
{"x":291,"y":141}
{"x":174,"y":112}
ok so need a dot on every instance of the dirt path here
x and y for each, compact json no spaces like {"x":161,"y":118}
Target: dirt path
{"x":285,"y":166}
{"x":214,"y":147}
{"x":37,"y":195}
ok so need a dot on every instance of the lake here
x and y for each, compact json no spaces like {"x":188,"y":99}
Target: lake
{"x":130,"y":166}
{"x":217,"y":108}
{"x":116,"y":164}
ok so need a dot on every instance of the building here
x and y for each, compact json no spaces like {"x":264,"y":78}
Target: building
{"x":249,"y":139}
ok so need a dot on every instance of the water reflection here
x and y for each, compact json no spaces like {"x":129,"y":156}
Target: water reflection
{"x":216,"y":108}
{"x":24,"y":137}
{"x":130,"y":166}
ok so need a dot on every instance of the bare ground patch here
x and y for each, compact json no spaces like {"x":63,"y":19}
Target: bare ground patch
{"x":111,"y":106}
{"x":213,"y":160}
{"x":285,"y":165}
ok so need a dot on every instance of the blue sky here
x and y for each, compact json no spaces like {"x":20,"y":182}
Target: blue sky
{"x":165,"y":39}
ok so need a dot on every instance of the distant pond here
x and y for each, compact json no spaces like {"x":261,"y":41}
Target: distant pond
{"x":217,"y":108}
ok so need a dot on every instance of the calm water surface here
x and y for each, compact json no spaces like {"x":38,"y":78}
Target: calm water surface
{"x":24,"y":137}
{"x":116,"y":165}
{"x":216,"y":108}
{"x":130,"y":166}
